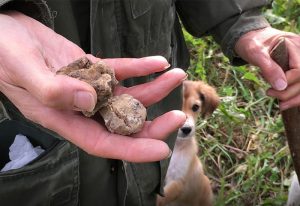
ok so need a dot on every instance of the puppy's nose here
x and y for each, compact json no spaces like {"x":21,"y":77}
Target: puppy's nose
{"x":186,"y":130}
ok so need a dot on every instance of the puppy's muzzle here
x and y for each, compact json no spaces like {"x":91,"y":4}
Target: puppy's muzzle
{"x":188,"y":129}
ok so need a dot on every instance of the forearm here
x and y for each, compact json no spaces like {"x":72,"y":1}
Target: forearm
{"x":225,"y":20}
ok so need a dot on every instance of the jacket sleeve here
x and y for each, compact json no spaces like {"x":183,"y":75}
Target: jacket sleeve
{"x":225,"y":20}
{"x":36,"y":9}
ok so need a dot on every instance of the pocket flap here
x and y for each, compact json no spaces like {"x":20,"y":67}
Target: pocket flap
{"x":139,"y":7}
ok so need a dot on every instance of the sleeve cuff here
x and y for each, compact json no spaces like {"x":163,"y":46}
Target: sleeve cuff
{"x":246,"y":22}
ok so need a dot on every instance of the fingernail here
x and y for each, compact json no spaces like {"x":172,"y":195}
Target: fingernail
{"x":181,"y":72}
{"x":166,"y":67}
{"x":170,"y":154}
{"x":84,"y":101}
{"x":159,"y":58}
{"x":185,"y":78}
{"x":280,"y":84}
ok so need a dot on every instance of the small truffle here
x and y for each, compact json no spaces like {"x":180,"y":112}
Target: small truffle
{"x":124,"y":115}
{"x":100,"y":76}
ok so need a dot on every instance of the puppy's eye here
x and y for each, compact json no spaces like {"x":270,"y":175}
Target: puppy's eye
{"x":195,"y":107}
{"x":202,"y":97}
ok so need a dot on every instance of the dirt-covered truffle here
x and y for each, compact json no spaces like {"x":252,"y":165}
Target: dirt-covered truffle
{"x":123,"y":115}
{"x":100,"y":76}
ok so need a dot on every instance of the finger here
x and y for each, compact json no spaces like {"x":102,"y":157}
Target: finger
{"x":270,"y":70}
{"x":293,"y":76}
{"x":86,"y":133}
{"x":287,"y":94}
{"x":294,"y":56}
{"x":294,"y":102}
{"x":96,"y":140}
{"x":84,"y":97}
{"x":257,"y":53}
{"x":294,"y":63}
{"x":134,"y":67}
{"x":60,"y":91}
{"x":64,"y":92}
{"x":163,"y":126}
{"x":152,"y":92}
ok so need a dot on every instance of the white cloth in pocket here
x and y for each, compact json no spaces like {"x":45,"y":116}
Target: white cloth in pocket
{"x":21,"y":152}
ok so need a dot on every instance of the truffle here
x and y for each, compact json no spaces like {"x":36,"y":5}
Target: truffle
{"x":100,"y":76}
{"x":121,"y":114}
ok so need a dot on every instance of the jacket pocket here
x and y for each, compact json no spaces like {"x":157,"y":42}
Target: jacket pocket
{"x":51,"y":179}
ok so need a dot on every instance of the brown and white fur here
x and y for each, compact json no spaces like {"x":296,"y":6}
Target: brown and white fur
{"x":186,"y":184}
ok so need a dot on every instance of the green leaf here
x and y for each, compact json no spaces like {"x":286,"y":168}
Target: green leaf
{"x":251,"y":77}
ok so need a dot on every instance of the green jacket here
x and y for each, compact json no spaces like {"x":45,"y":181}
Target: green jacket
{"x":64,"y":174}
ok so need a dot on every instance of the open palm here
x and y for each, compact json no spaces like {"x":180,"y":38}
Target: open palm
{"x":30,"y":55}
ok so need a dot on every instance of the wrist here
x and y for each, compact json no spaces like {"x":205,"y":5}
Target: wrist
{"x":266,"y":37}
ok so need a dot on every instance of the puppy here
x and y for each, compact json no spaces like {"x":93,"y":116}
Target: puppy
{"x":186,"y":184}
{"x":294,"y":192}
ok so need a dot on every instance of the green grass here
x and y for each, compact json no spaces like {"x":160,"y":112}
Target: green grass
{"x":243,"y":145}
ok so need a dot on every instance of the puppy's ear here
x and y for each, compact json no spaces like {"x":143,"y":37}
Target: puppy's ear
{"x":210,"y":101}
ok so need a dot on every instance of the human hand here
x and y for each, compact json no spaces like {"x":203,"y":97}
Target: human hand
{"x":30,"y":55}
{"x":255,"y":47}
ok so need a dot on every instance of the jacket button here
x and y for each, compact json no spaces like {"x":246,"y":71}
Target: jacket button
{"x":112,"y":169}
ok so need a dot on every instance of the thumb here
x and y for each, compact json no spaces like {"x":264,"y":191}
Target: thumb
{"x":270,"y":70}
{"x":63,"y":92}
{"x":57,"y":91}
